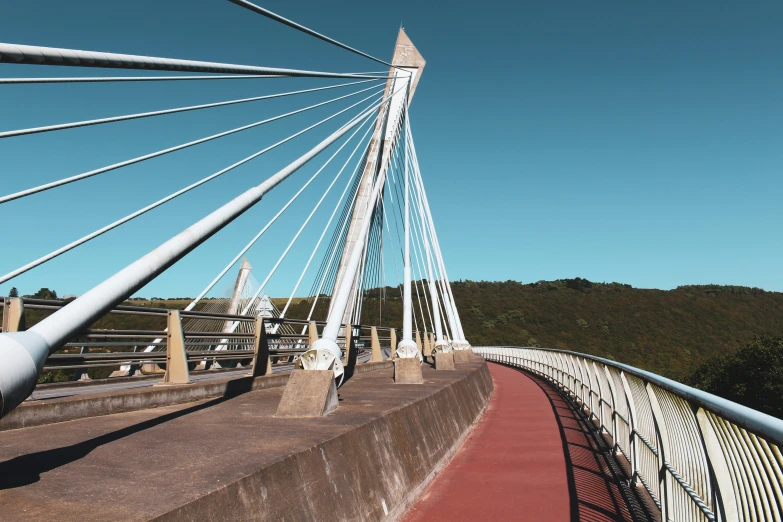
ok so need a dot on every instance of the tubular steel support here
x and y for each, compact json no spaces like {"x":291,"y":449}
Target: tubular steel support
{"x":408,"y":348}
{"x":37,"y":55}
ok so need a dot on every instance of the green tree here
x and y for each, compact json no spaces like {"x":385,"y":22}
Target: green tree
{"x":751,"y":376}
{"x":14,"y":292}
{"x":45,"y":293}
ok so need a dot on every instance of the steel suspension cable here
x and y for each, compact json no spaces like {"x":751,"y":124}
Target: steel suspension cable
{"x":431,"y":271}
{"x":445,"y":296}
{"x":391,"y":248}
{"x":139,"y":159}
{"x":336,"y":245}
{"x":166,"y":199}
{"x":415,"y":282}
{"x":369,"y":277}
{"x":329,"y":221}
{"x":299,"y":27}
{"x":392,"y":185}
{"x":242,"y":252}
{"x":439,"y":255}
{"x":420,"y":271}
{"x":35,"y":344}
{"x":325,"y":272}
{"x":417,"y":251}
{"x":57,"y":328}
{"x":99,"y":79}
{"x":38,"y":55}
{"x":307,"y":220}
{"x":386,"y":220}
{"x":126,"y":117}
{"x":329,"y":264}
{"x":252,"y":242}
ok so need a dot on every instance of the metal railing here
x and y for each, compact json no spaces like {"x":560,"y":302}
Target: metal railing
{"x":137,"y":351}
{"x":700,"y":457}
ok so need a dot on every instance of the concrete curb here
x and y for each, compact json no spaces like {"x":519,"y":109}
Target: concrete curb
{"x":414,"y":496}
{"x":50,"y":411}
{"x":373,"y":471}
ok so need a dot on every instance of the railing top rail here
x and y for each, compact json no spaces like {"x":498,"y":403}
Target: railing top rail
{"x":34,"y":303}
{"x":752,"y":420}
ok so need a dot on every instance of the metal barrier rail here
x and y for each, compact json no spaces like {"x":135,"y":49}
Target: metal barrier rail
{"x":700,"y":457}
{"x":112,"y":348}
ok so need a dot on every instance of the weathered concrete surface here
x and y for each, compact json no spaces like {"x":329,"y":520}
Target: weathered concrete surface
{"x":232,"y":459}
{"x":309,"y":393}
{"x":463,"y":356}
{"x":48,"y":411}
{"x":407,"y":371}
{"x":444,"y":361}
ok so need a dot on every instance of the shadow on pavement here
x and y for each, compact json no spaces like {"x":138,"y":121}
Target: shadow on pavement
{"x":597,"y":485}
{"x":27,"y":469}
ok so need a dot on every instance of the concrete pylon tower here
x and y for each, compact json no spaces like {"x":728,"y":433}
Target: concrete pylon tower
{"x":404,"y":77}
{"x":239,"y":287}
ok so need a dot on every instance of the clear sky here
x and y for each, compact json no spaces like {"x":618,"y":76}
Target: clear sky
{"x":607,"y":140}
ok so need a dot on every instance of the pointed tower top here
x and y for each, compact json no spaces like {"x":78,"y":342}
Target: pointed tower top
{"x":406,"y":55}
{"x":245,"y":265}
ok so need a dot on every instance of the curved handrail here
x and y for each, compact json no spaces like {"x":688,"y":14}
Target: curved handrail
{"x":699,"y":456}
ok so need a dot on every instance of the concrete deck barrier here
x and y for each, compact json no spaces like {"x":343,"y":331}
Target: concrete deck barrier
{"x":235,"y":459}
{"x":49,"y":411}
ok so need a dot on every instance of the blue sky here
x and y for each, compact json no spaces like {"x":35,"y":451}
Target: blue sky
{"x":615,"y":142}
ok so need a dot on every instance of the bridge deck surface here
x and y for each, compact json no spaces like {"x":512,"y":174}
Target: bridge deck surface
{"x":531,"y":457}
{"x":137,"y":465}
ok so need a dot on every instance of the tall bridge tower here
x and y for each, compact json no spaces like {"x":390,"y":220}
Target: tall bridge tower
{"x":408,"y":66}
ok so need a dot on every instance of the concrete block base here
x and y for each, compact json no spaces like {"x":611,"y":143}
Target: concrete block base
{"x":444,"y":361}
{"x":407,"y":371}
{"x":463,"y":356}
{"x":309,"y":393}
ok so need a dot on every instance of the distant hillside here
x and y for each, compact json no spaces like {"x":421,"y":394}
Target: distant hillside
{"x":670,"y":332}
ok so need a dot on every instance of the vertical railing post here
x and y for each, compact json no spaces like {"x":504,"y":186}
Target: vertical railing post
{"x":312,"y":333}
{"x":262,"y":364}
{"x":632,"y":445}
{"x":176,"y":359}
{"x":13,"y":314}
{"x":134,"y":370}
{"x":664,"y":481}
{"x":427,"y":345}
{"x":723,"y":499}
{"x":393,"y":339}
{"x":350,"y":346}
{"x":81,"y":373}
{"x":375,"y":344}
{"x":613,"y":393}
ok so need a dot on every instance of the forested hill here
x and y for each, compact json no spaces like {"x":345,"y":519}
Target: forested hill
{"x":670,"y":332}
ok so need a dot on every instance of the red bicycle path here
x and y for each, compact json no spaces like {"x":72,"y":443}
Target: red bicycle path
{"x":531,"y":457}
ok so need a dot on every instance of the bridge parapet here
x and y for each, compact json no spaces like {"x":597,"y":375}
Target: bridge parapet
{"x":700,"y":457}
{"x":204,"y":346}
{"x":379,"y":450}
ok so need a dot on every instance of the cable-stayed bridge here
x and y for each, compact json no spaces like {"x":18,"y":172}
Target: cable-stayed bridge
{"x":364,"y":359}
